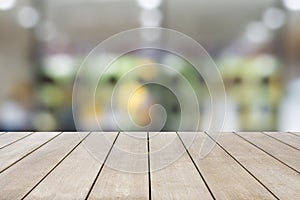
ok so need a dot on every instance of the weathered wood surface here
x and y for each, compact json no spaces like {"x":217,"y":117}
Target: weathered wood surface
{"x":53,"y":165}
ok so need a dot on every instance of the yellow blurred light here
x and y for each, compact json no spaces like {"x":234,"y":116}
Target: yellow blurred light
{"x":137,"y":106}
{"x":133,"y":97}
{"x":137,"y":99}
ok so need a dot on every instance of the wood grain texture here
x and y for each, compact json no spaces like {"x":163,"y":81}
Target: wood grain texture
{"x":295,"y":133}
{"x":174,"y":177}
{"x":286,"y":138}
{"x":12,"y":137}
{"x":16,"y":151}
{"x":275,"y":148}
{"x":281,"y":180}
{"x":73,"y":178}
{"x":2,"y":133}
{"x":223,"y":174}
{"x":14,"y":183}
{"x":59,"y":166}
{"x":125,"y":174}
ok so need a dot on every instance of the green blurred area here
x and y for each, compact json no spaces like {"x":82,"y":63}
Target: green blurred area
{"x":254,"y":44}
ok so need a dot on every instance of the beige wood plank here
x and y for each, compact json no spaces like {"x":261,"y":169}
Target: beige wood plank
{"x":12,"y":137}
{"x":295,"y":133}
{"x":73,"y":178}
{"x":125,"y":175}
{"x":19,"y":179}
{"x":287,"y":138}
{"x":174,"y":178}
{"x":284,"y":153}
{"x":228,"y":180}
{"x":281,"y":180}
{"x":18,"y":150}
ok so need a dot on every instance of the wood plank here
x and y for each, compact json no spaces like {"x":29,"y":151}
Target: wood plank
{"x":281,"y":180}
{"x":14,"y":183}
{"x":278,"y":150}
{"x":228,"y":180}
{"x":295,"y":133}
{"x":286,"y":138}
{"x":73,"y":178}
{"x":12,"y":137}
{"x":22,"y":148}
{"x":125,"y":174}
{"x":173,"y":178}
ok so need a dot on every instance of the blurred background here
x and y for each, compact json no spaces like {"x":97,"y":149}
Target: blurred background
{"x":255,"y":44}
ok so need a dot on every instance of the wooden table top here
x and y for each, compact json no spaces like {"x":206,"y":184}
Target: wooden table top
{"x":65,"y":165}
